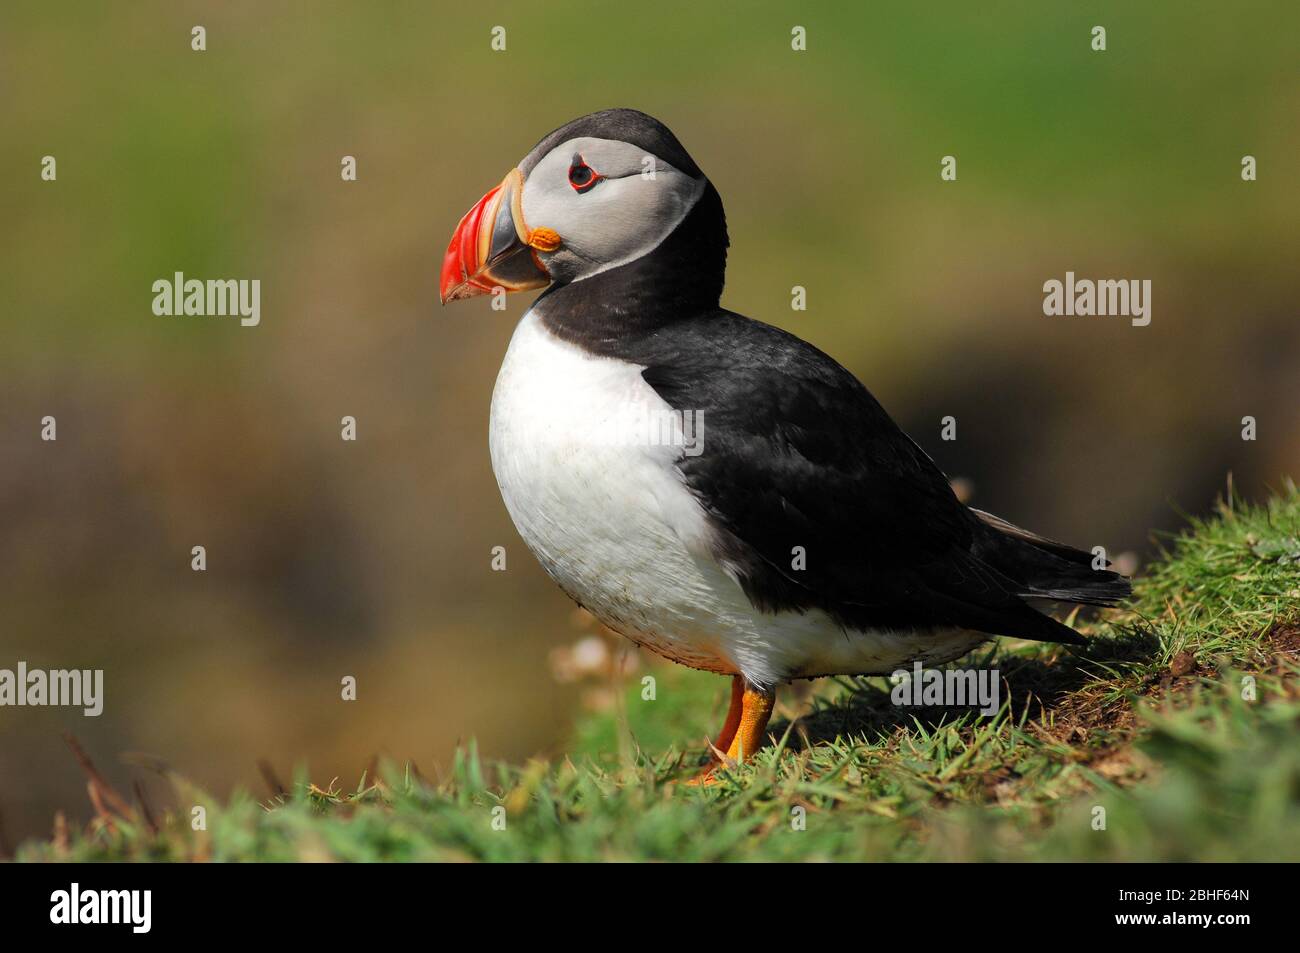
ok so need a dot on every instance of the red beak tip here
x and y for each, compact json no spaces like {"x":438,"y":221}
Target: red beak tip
{"x":453,"y":277}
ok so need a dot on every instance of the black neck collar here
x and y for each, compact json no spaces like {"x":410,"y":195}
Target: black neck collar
{"x":681,"y":278}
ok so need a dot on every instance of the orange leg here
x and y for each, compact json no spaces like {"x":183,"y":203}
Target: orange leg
{"x":756,"y":709}
{"x":742,"y":734}
{"x":728,"y":732}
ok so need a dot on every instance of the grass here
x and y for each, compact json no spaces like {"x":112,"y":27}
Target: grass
{"x":1177,"y":726}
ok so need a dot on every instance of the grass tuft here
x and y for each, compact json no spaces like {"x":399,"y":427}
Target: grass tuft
{"x":1172,"y":736}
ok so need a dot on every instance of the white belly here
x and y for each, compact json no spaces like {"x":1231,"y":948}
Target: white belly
{"x":578,"y":451}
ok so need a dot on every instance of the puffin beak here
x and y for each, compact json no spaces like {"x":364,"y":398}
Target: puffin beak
{"x":493,"y":247}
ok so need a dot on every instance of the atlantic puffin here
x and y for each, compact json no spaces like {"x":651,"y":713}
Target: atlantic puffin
{"x":713,"y":488}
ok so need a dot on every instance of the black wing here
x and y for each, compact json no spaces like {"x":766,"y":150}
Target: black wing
{"x":798,"y":457}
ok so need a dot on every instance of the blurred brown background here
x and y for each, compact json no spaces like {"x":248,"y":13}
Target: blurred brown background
{"x":371,"y":558}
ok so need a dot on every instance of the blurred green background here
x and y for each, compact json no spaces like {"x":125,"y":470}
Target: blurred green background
{"x":372,"y":558}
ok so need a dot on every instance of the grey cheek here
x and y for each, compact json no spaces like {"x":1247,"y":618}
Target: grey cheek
{"x":566,"y":265}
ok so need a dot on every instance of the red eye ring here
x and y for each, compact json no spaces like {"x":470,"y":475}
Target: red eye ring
{"x":582,"y":177}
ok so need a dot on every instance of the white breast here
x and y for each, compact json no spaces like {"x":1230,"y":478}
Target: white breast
{"x":584,"y":452}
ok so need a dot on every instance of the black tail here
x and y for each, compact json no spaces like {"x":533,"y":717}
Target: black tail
{"x":1044,"y":568}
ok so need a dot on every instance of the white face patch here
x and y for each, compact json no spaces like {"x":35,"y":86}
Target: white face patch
{"x":635,"y":205}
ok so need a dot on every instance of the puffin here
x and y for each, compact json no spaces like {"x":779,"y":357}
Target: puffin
{"x":711,"y":487}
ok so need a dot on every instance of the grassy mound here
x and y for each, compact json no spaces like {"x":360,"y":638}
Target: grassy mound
{"x":1174,"y":736}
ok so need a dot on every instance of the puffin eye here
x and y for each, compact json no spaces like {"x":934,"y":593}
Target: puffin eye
{"x":582,"y":176}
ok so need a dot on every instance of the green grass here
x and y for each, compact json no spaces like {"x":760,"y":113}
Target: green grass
{"x":1149,"y":724}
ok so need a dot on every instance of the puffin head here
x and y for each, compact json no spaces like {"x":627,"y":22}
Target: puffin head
{"x":599,"y":193}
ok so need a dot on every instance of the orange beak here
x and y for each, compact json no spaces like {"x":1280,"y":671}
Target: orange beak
{"x":492,"y":247}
